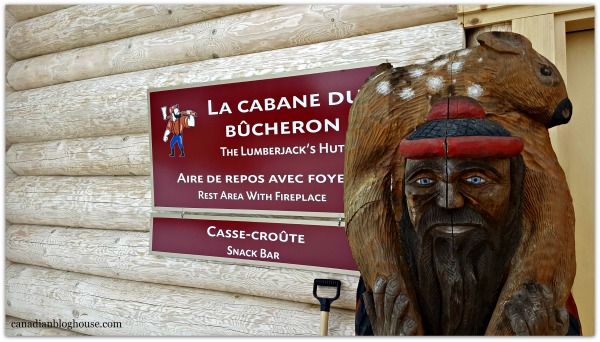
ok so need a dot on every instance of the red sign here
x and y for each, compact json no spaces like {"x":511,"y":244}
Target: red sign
{"x":298,"y":244}
{"x":273,"y":144}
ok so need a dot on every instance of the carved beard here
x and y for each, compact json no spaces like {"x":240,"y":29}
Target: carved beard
{"x":458,"y":278}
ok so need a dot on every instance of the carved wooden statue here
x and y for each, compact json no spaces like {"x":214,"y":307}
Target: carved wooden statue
{"x":462,"y":232}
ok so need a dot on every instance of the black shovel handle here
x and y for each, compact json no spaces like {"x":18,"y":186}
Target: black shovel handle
{"x":326,"y":301}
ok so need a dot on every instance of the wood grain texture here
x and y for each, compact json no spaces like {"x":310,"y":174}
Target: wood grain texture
{"x":9,"y":61}
{"x":9,"y":21}
{"x":24,"y":12}
{"x":502,"y":13}
{"x":9,"y":174}
{"x":85,"y":25}
{"x":11,"y":328}
{"x":503,"y":75}
{"x":262,"y":30}
{"x":146,"y":309}
{"x":125,"y":255}
{"x":117,"y":105}
{"x":105,"y":156}
{"x":88,"y":202}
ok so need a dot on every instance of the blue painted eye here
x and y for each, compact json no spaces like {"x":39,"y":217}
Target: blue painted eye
{"x":424,"y":181}
{"x":475,"y":180}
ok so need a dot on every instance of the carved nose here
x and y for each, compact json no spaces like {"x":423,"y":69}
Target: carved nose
{"x":562,"y":113}
{"x":449,"y":198}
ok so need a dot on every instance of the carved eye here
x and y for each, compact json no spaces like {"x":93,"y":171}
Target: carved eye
{"x":546,"y":71}
{"x":424,"y":181}
{"x":475,"y":180}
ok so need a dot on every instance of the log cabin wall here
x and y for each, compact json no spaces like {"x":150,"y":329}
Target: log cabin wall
{"x":77,"y":173}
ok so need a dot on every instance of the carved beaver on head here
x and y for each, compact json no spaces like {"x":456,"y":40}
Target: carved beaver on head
{"x":518,"y":88}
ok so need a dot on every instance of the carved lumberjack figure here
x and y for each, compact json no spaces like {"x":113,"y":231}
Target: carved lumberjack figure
{"x":524,"y":93}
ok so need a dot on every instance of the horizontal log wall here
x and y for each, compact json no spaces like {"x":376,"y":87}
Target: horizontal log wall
{"x":85,"y":25}
{"x":262,"y":30}
{"x":24,"y":12}
{"x":125,"y":255}
{"x":146,"y":309}
{"x":77,"y":187}
{"x":9,"y":174}
{"x":117,"y":105}
{"x":88,"y":202}
{"x":127,"y":155}
{"x":9,"y":21}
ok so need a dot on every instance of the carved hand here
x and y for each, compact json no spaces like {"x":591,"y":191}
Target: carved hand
{"x":387,"y":307}
{"x":531,"y":312}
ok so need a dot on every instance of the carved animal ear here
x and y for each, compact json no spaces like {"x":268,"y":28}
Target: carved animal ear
{"x":379,"y":69}
{"x":504,"y":42}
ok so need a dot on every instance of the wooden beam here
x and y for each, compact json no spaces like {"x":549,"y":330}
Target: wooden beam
{"x":146,"y":309}
{"x":117,"y":105}
{"x":462,"y":9}
{"x":508,"y":13}
{"x":14,"y":326}
{"x":89,"y":202}
{"x":125,"y":255}
{"x":85,"y":25}
{"x":127,"y":155}
{"x":269,"y":29}
{"x":24,"y":12}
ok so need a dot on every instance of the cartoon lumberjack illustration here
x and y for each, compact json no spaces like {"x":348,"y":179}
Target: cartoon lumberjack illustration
{"x":177,"y":122}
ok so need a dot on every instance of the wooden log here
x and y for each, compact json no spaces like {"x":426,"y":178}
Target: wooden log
{"x":9,"y":21}
{"x":9,"y":61}
{"x":145,"y":309}
{"x":263,"y":30}
{"x":105,"y":156}
{"x":117,"y":105}
{"x":125,"y":255}
{"x":90,"y":202}
{"x":85,"y":25}
{"x":7,"y":91}
{"x":24,"y":12}
{"x":9,"y":174}
{"x":14,"y":326}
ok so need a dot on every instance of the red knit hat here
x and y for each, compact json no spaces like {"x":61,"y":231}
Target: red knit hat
{"x":456,"y":127}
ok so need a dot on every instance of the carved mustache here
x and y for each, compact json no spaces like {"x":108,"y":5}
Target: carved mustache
{"x":464,"y":216}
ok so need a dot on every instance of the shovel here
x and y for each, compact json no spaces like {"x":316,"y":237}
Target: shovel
{"x":326,"y":301}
